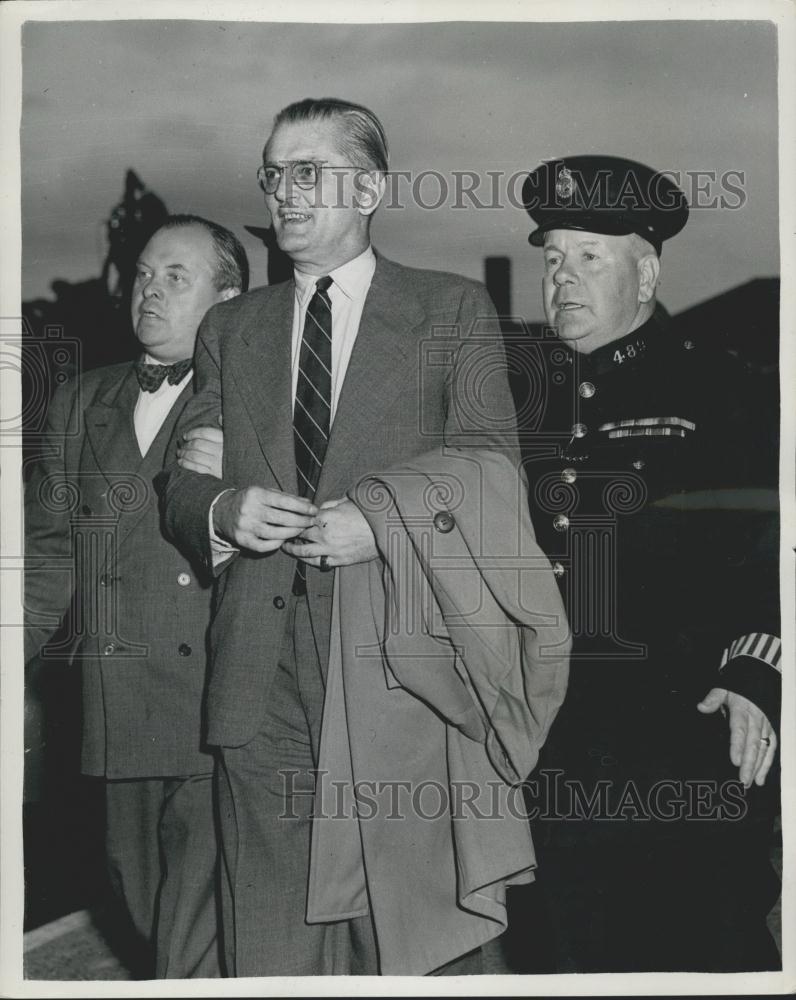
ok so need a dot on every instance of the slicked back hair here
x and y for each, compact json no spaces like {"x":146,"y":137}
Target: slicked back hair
{"x":360,"y":134}
{"x":232,"y":264}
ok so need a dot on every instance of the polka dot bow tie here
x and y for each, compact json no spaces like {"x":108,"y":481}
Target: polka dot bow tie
{"x":151,"y":377}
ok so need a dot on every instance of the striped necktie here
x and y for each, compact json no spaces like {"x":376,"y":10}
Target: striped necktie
{"x":313,"y":406}
{"x":312,"y":410}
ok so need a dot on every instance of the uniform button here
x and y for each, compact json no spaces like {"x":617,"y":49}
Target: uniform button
{"x":184,"y":649}
{"x":639,"y":463}
{"x":86,"y":509}
{"x":279,"y":603}
{"x":579,"y":430}
{"x":561,"y":522}
{"x":688,"y":345}
{"x":558,"y":570}
{"x":109,"y":649}
{"x":444,"y":522}
{"x":568,"y":475}
{"x":184,"y":579}
{"x":586,"y":389}
{"x":106,"y":580}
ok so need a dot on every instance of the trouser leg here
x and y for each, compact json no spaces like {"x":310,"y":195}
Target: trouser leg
{"x":132,"y":851}
{"x":162,"y":859}
{"x":696,"y":902}
{"x":187,"y":944}
{"x":266,"y":794}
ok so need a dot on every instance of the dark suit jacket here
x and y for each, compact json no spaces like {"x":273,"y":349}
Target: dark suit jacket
{"x":140,"y":614}
{"x":428,"y":367}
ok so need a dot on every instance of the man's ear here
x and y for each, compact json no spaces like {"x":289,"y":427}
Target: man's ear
{"x":649,"y":270}
{"x":369,"y":186}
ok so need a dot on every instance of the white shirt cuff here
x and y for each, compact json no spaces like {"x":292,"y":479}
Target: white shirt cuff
{"x":220,"y":549}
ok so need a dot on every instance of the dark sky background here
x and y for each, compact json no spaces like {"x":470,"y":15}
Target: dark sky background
{"x":188,"y":104}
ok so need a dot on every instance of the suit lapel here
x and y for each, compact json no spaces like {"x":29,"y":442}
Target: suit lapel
{"x":375,"y":372}
{"x":110,"y":430}
{"x":260,"y":365}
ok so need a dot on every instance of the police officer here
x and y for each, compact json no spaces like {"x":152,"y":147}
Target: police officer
{"x":653,"y":798}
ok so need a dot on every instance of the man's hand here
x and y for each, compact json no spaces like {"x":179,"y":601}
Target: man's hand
{"x":202,"y":450}
{"x":340,"y":532}
{"x":753,"y":743}
{"x":259,"y":519}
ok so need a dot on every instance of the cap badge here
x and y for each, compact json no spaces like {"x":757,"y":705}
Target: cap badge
{"x":565,"y":184}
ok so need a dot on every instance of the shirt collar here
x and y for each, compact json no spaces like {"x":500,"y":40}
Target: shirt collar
{"x":352,"y":278}
{"x":149,"y":360}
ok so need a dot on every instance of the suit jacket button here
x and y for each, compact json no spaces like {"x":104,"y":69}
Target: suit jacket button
{"x":279,"y":603}
{"x":184,"y":649}
{"x":184,"y":579}
{"x":444,"y":522}
{"x":109,"y":649}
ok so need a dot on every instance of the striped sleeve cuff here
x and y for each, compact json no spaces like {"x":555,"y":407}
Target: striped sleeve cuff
{"x":759,"y":646}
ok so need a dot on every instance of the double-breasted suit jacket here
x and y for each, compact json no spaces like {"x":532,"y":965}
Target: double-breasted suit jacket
{"x":428,"y":367}
{"x":141,"y":610}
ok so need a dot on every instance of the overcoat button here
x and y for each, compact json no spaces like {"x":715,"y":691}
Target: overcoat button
{"x":279,"y":603}
{"x":561,"y":522}
{"x":558,"y":570}
{"x":586,"y":389}
{"x":639,"y":463}
{"x":444,"y":521}
{"x":109,"y":649}
{"x":580,"y":430}
{"x":568,"y":475}
{"x":184,"y":579}
{"x":184,"y":649}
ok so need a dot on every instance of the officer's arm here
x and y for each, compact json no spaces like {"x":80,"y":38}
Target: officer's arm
{"x":748,"y":683}
{"x":750,"y":696}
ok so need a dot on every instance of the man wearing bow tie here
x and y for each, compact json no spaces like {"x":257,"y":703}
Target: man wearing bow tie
{"x":139,"y":609}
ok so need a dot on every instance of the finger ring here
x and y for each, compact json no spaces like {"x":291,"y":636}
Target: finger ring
{"x":324,"y":566}
{"x":765,"y":739}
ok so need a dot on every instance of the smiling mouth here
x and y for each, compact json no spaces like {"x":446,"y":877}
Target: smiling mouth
{"x":294,"y":217}
{"x":568,"y":306}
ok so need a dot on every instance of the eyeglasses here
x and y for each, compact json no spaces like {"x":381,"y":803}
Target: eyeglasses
{"x":305,"y":174}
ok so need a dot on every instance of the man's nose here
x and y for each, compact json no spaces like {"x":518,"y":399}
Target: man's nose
{"x":151,"y":289}
{"x":565,"y":274}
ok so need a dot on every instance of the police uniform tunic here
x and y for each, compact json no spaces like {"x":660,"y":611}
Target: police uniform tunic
{"x":651,"y":854}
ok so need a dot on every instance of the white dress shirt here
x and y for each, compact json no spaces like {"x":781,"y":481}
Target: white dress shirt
{"x":347,"y":293}
{"x":152,"y":408}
